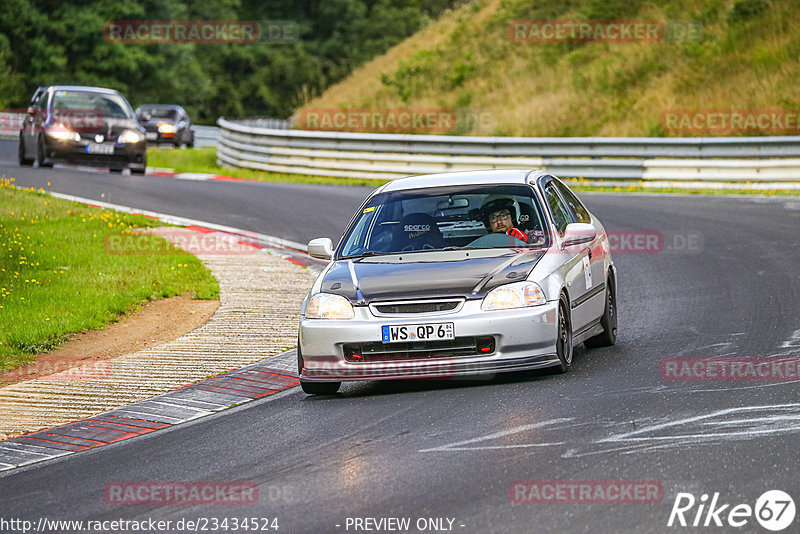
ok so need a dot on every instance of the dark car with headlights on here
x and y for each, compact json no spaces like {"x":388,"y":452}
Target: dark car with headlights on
{"x":458,"y":274}
{"x":166,"y":123}
{"x":82,"y":125}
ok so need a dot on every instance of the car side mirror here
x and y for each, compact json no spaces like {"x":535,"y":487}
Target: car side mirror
{"x":321,"y":248}
{"x":577,"y":234}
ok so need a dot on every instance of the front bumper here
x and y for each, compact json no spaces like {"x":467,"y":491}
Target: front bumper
{"x":525,"y":338}
{"x":131,"y":155}
{"x":157,"y":138}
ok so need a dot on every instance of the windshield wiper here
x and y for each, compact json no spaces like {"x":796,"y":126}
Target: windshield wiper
{"x":365,"y":254}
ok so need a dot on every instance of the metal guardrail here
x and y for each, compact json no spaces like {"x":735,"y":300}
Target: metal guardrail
{"x":251,"y":145}
{"x":205,"y":136}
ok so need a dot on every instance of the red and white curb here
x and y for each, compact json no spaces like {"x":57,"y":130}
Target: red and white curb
{"x":201,"y":399}
{"x":196,"y":176}
{"x":194,"y":401}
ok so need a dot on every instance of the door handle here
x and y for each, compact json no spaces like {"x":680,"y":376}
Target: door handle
{"x":590,"y":253}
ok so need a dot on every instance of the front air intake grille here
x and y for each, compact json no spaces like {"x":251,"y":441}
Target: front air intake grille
{"x":418,"y":350}
{"x":416,"y":306}
{"x":428,"y":307}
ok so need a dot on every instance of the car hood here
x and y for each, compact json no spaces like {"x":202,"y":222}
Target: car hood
{"x":428,"y":275}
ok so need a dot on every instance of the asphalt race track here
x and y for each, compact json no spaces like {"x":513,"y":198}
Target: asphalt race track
{"x":724,"y":282}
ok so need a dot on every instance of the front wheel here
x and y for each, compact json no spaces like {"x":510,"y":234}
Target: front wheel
{"x":608,"y":321}
{"x":320,"y":388}
{"x":564,"y":340}
{"x":40,"y":157}
{"x":314,"y":388}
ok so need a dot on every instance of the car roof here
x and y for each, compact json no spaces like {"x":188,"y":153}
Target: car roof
{"x":504,"y":176}
{"x":83,"y":88}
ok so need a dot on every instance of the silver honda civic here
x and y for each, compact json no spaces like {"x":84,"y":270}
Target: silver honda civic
{"x":458,"y":274}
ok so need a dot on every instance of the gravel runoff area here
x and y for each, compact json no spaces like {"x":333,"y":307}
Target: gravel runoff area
{"x":260,"y":296}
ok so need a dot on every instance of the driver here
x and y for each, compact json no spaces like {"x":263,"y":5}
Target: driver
{"x":499,"y":216}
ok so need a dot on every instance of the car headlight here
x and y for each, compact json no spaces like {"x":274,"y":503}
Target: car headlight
{"x":130,"y":136}
{"x":329,"y":306}
{"x":516,"y":295}
{"x":62,"y":133}
{"x":167,"y":128}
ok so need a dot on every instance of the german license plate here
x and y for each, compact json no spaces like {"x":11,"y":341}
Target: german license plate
{"x":96,"y":148}
{"x":151,"y":136}
{"x":417,"y":332}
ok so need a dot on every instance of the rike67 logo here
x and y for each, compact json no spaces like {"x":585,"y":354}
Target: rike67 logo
{"x":774,"y":510}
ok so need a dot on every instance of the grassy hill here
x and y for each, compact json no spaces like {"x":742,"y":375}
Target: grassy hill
{"x":747,"y":58}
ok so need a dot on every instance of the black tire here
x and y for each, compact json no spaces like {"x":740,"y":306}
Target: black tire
{"x":609,"y":320}
{"x":143,"y":170}
{"x":320,"y":388}
{"x":23,"y":161}
{"x":314,"y":388}
{"x":564,"y":348}
{"x":40,"y":157}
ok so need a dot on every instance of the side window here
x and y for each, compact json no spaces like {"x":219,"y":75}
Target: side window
{"x":561,"y":216}
{"x":581,"y":215}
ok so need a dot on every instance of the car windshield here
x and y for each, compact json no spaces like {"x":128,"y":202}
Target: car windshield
{"x":162,"y":113}
{"x":104,"y":105}
{"x":448,"y":218}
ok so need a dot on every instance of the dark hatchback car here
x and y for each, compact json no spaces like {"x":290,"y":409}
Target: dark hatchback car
{"x":165,"y":123}
{"x":82,"y":125}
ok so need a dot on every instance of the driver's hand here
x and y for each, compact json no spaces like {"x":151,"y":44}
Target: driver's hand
{"x":519,"y":234}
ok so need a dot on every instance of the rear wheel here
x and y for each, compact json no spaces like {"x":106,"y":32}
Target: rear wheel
{"x":564,"y":340}
{"x":608,"y":321}
{"x":23,"y":161}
